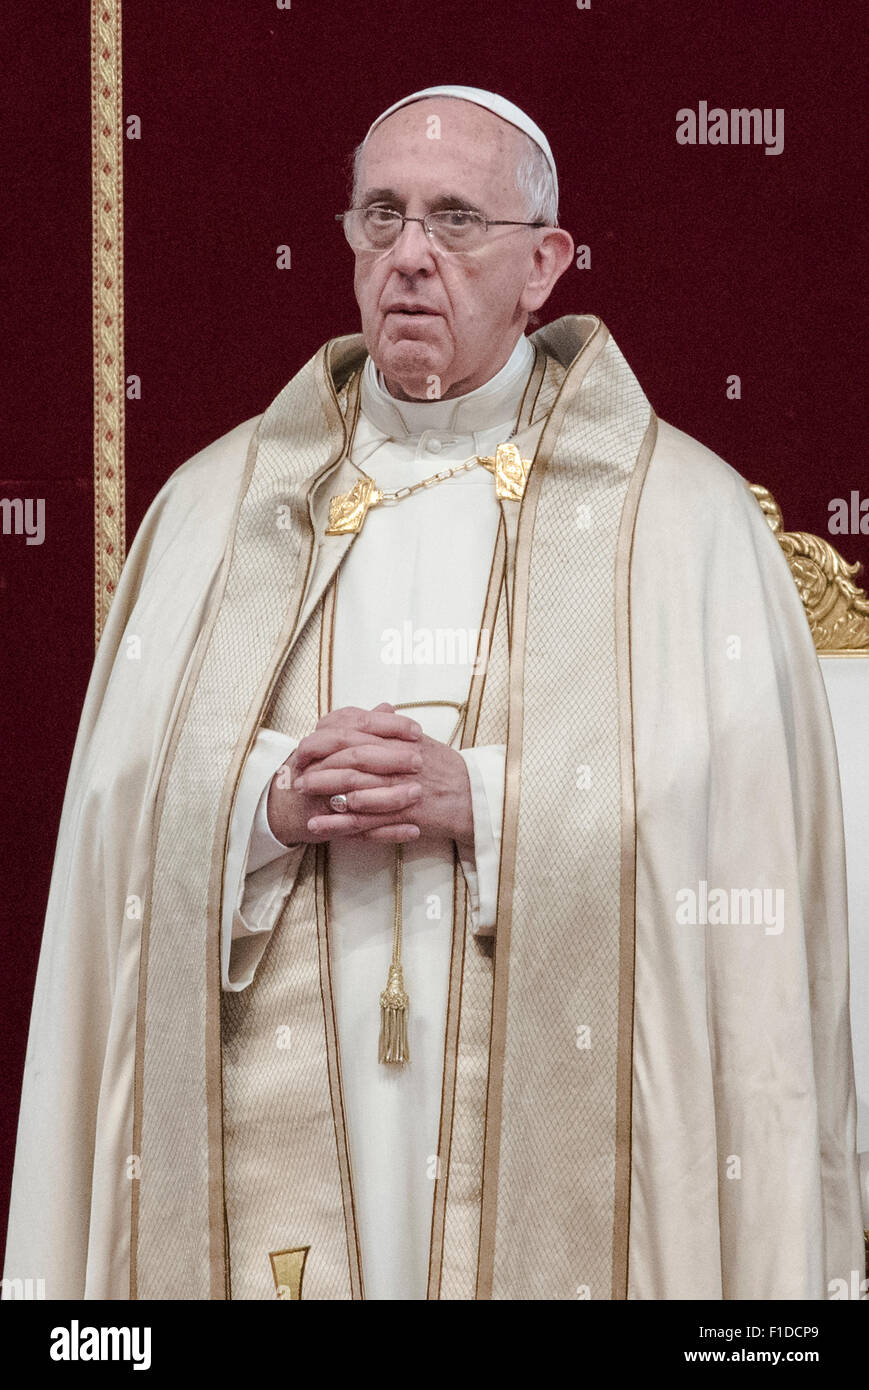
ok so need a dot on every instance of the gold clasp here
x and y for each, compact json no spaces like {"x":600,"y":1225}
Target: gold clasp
{"x":348,"y":510}
{"x":510,"y":470}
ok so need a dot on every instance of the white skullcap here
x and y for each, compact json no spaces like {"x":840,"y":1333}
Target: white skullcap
{"x":490,"y":101}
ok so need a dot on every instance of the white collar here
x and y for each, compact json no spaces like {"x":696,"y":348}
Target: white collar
{"x":485,"y":407}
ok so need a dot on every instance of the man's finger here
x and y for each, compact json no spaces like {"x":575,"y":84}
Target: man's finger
{"x":378,"y":801}
{"x":342,"y":825}
{"x":332,"y":780}
{"x":376,"y":721}
{"x":382,"y":758}
{"x":381,"y":718}
{"x":394,"y":834}
{"x":324,"y":741}
{"x":331,"y":738}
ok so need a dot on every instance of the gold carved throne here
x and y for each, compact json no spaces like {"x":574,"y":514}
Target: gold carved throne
{"x":837,"y":610}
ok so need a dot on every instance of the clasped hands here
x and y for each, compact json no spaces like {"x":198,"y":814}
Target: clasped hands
{"x":400,"y":784}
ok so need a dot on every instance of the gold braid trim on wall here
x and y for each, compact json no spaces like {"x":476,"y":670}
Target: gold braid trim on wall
{"x":837,"y":609}
{"x":108,"y":302}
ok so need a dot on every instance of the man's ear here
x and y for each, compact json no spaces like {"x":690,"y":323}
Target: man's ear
{"x":552,"y":255}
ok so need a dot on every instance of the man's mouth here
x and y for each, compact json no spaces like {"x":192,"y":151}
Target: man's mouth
{"x":412,"y":310}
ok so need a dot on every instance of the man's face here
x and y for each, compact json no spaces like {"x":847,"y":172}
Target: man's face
{"x":426,"y":313}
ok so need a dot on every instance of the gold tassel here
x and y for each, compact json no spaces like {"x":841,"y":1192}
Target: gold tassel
{"x":393,"y":1000}
{"x":393,"y":1019}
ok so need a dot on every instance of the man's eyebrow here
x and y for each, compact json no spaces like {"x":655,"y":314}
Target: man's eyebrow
{"x":440,"y":202}
{"x":454,"y":200}
{"x":381,"y":195}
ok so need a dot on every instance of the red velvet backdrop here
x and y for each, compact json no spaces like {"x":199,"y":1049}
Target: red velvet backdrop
{"x":706,"y":261}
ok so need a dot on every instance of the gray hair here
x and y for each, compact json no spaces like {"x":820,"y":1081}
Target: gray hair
{"x":533,"y":179}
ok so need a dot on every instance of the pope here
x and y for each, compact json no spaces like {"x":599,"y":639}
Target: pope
{"x":366,"y":978}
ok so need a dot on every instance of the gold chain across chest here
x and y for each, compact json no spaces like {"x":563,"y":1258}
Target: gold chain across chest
{"x":348,"y":510}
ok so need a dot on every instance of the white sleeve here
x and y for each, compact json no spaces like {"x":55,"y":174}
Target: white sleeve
{"x":485,"y":766}
{"x":260,"y":870}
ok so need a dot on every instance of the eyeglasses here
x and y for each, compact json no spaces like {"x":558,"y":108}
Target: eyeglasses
{"x":455,"y":229}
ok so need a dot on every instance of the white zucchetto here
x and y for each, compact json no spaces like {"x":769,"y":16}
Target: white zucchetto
{"x":490,"y":101}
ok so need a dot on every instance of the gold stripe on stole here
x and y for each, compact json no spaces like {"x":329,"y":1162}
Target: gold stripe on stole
{"x":456,"y":1207}
{"x":302,"y":1153}
{"x":557,"y":1154}
{"x":524,"y":527}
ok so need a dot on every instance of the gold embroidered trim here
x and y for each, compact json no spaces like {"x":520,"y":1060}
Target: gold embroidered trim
{"x":108,"y":303}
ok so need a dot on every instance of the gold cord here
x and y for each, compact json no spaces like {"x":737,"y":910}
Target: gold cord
{"x":394,"y":1001}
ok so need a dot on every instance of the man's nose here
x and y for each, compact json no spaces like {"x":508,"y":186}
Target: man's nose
{"x":412,"y":250}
